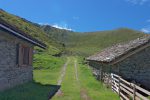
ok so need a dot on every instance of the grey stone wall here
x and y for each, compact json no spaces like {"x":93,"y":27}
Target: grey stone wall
{"x":96,"y":69}
{"x":136,"y":68}
{"x":10,"y":73}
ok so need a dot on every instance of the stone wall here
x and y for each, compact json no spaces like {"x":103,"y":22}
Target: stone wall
{"x":10,"y":73}
{"x":136,"y":68}
{"x":96,"y":69}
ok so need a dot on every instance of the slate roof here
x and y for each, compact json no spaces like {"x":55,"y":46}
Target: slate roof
{"x":20,"y":34}
{"x":111,"y":53}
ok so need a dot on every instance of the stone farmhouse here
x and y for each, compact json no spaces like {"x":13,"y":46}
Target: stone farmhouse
{"x":130,"y":60}
{"x":16,"y":54}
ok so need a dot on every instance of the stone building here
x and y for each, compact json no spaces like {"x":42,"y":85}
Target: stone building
{"x":130,"y":60}
{"x":16,"y":51}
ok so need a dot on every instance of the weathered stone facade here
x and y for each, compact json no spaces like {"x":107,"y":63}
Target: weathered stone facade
{"x":11,"y":74}
{"x":136,"y":68}
{"x":96,"y":69}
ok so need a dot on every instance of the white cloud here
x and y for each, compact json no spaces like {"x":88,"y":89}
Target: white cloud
{"x":43,"y":23}
{"x":138,"y":2}
{"x":64,"y":26}
{"x":146,"y":30}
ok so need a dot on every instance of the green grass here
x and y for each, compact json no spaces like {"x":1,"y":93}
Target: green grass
{"x":95,"y":89}
{"x":89,"y":43}
{"x":47,"y":68}
{"x":28,"y":91}
{"x":46,"y":61}
{"x":72,"y":88}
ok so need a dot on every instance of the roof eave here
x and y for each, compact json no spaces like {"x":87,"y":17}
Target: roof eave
{"x":124,"y":56}
{"x":42,"y":45}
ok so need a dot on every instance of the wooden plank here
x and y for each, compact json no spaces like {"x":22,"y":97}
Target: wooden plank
{"x":116,"y":84}
{"x":121,"y":98}
{"x":125,"y":97}
{"x":116,"y":79}
{"x":116,"y":75}
{"x":134,"y":90}
{"x":141,"y":96}
{"x":115,"y":89}
{"x":125,"y":81}
{"x":143,"y":90}
{"x":128,"y":92}
{"x":126,"y":87}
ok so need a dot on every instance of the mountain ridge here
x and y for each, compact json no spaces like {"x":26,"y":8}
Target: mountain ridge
{"x":70,"y":42}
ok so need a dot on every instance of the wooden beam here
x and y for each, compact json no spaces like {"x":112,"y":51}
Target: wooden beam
{"x":125,"y":97}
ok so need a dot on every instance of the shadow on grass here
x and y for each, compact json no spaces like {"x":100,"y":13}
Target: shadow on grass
{"x":30,"y":91}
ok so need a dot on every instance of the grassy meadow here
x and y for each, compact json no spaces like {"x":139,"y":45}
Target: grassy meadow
{"x":47,"y":68}
{"x":87,"y":44}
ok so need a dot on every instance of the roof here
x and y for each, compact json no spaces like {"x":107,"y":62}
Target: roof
{"x":20,"y":34}
{"x":116,"y":51}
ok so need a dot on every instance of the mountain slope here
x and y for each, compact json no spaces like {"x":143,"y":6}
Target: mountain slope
{"x":69,"y":42}
{"x":32,"y":29}
{"x":88,"y":43}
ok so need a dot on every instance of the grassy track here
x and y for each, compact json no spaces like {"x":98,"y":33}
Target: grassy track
{"x":70,"y":87}
{"x":85,"y":87}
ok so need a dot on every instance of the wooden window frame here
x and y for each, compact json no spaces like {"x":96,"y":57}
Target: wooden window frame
{"x":25,"y":55}
{"x":20,"y":55}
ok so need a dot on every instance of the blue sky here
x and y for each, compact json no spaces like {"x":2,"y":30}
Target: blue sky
{"x":83,"y":15}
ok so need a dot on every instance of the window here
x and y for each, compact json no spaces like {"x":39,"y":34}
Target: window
{"x":24,"y":55}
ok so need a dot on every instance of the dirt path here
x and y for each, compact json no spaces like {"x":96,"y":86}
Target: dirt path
{"x":63,"y":72}
{"x":83,"y":92}
{"x":76,"y":70}
{"x":84,"y":95}
{"x":71,"y":68}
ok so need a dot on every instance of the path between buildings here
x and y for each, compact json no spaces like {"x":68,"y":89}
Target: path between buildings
{"x":83,"y":92}
{"x":75,"y":68}
{"x":63,"y":72}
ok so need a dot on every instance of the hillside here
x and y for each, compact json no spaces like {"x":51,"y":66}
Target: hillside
{"x":85,"y":44}
{"x":57,"y":34}
{"x":71,"y":43}
{"x":89,"y":43}
{"x":33,"y":29}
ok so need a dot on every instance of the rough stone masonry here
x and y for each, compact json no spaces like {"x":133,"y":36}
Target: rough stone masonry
{"x":10,"y":73}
